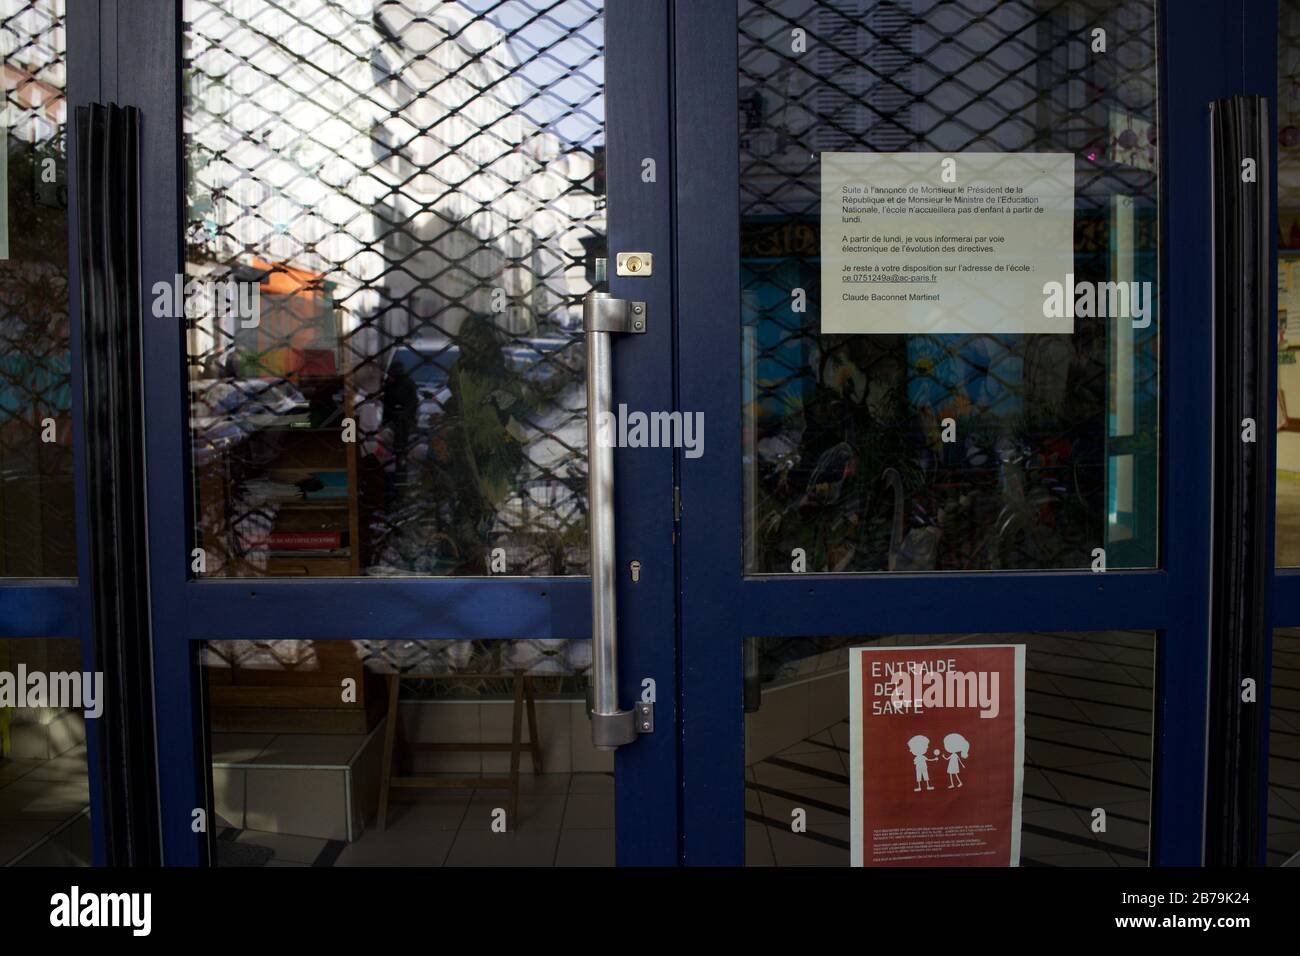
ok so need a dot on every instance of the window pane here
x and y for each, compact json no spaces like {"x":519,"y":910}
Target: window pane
{"x":300,"y":771}
{"x":36,"y":498}
{"x":1288,"y":286}
{"x":44,"y":786}
{"x":948,"y":451}
{"x":1088,"y":745}
{"x":393,"y":216}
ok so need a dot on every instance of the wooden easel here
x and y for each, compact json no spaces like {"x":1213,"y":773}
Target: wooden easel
{"x":392,"y":776}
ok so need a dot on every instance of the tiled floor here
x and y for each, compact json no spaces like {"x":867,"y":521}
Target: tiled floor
{"x":1087,"y":744}
{"x":564,"y":820}
{"x":1284,"y":749}
{"x":40,"y":803}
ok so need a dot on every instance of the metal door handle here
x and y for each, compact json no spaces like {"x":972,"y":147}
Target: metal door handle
{"x":602,"y":317}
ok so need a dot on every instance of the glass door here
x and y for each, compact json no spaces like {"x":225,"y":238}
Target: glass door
{"x":367,"y":379}
{"x":944,"y":567}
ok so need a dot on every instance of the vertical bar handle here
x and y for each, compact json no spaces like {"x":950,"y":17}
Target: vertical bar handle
{"x":604,"y":316}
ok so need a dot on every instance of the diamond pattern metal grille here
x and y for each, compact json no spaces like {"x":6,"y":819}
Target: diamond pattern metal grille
{"x":416,"y":191}
{"x":1287,"y":494}
{"x":1057,"y":434}
{"x":474,"y":669}
{"x":36,"y":498}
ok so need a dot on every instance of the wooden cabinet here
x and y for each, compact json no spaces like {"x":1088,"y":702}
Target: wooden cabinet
{"x":284,"y":501}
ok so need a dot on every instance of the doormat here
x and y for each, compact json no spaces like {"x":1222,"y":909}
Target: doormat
{"x":230,"y":853}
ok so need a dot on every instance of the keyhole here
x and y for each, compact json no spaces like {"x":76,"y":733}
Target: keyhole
{"x":636,"y":571}
{"x":633,"y":263}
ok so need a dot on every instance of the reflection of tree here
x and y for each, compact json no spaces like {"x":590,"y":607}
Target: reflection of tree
{"x":466,"y":468}
{"x":38,"y":230}
{"x":35,"y":384}
{"x":484,"y":453}
{"x":200,"y":205}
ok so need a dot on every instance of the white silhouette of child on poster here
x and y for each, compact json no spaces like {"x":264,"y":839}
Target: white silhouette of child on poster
{"x":918,"y":745}
{"x":957,"y":749}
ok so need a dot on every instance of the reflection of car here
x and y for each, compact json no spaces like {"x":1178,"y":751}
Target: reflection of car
{"x":212,"y":429}
{"x":224,"y":412}
{"x":543,"y":359}
{"x":268,"y":402}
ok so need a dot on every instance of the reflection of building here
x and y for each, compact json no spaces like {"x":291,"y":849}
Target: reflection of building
{"x":392,"y":155}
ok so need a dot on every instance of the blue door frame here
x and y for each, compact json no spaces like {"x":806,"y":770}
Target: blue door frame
{"x":1207,"y":51}
{"x":680,"y":791}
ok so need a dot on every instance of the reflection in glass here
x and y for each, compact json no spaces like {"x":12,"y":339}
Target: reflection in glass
{"x":1056,"y":443}
{"x":44,"y":785}
{"x":1284,"y":750}
{"x":1288,"y":286}
{"x":394,"y":211}
{"x":441,"y":740}
{"x":1088,"y":744}
{"x":36,"y":500}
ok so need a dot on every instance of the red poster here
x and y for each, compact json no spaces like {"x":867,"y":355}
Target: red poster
{"x":938,"y":744}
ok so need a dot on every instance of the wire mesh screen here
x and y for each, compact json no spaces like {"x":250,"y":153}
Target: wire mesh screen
{"x":1055,"y":457}
{"x":36,"y":498}
{"x":466,"y":668}
{"x":395,"y":209}
{"x":1287,"y":537}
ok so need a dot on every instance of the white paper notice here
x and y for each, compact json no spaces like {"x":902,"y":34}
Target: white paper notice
{"x":945,"y":242}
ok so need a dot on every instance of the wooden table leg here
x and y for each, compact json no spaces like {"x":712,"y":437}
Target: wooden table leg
{"x":390,"y":738}
{"x":515,"y":736}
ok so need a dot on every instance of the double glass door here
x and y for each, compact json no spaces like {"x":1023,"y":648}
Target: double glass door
{"x":852,"y":431}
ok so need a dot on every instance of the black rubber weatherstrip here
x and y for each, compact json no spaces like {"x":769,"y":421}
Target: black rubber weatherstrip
{"x":108,"y":233}
{"x":1243,"y":347}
